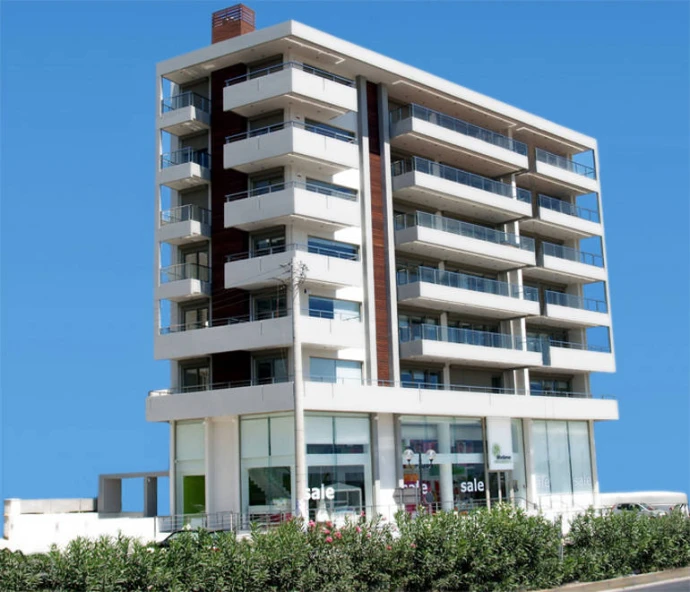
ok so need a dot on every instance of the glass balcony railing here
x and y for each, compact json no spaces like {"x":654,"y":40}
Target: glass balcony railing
{"x":457,"y":125}
{"x":442,"y":171}
{"x":572,"y":301}
{"x":466,"y":336}
{"x":464,"y":281}
{"x":207,"y":386}
{"x":573,"y":254}
{"x":580,"y":346}
{"x":565,"y":207}
{"x":186,"y":213}
{"x":186,"y":99}
{"x":185,"y":155}
{"x":259,"y":316}
{"x":320,"y":188}
{"x":565,"y":163}
{"x":328,"y":252}
{"x":290,"y":65}
{"x":185,"y":271}
{"x":322,"y":130}
{"x":463,"y":229}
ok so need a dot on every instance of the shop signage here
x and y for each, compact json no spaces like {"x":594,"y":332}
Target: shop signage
{"x":471,"y":486}
{"x":320,"y":493}
{"x":499,"y":437}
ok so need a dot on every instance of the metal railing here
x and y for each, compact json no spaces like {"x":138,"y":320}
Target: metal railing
{"x":342,"y":136}
{"x":313,"y":187}
{"x":571,"y":254}
{"x":565,"y":163}
{"x":563,"y":394}
{"x":290,"y":65}
{"x":429,"y":167}
{"x":261,"y":316}
{"x":185,"y":271}
{"x":426,"y":331}
{"x":572,"y":301}
{"x":186,"y":213}
{"x":215,"y":386}
{"x":565,"y":207}
{"x":333,"y":315}
{"x":457,"y":125}
{"x":463,"y":281}
{"x":580,"y":346}
{"x":186,"y":99}
{"x":185,"y":155}
{"x":292,"y":247}
{"x":463,"y":229}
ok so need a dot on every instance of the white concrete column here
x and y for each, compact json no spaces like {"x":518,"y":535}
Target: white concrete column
{"x":209,"y":474}
{"x":443,"y":321}
{"x":446,"y":376}
{"x":172,"y":471}
{"x":531,"y":482}
{"x":445,"y":469}
{"x":385,"y":463}
{"x":593,"y":462}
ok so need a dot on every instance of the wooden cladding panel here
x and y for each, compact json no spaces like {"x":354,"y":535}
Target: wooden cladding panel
{"x":378,"y":231}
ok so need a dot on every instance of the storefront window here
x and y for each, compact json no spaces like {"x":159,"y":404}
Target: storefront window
{"x":190,"y":479}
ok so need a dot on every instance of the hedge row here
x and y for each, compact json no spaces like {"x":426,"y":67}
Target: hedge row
{"x":501,"y":549}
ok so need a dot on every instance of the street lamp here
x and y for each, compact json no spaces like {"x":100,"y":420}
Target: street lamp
{"x":409,"y":455}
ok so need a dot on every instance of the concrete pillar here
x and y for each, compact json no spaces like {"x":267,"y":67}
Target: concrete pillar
{"x":445,"y":469}
{"x":109,"y":495}
{"x":530,"y":479}
{"x":150,"y":497}
{"x":385,"y":463}
{"x":444,"y":326}
{"x":446,"y":376}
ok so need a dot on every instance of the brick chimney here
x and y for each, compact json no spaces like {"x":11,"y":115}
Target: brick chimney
{"x":231,"y":22}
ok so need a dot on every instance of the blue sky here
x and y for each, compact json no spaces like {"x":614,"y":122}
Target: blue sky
{"x":77,"y":207}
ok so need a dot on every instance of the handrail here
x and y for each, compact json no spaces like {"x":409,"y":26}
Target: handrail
{"x":185,"y":271}
{"x":580,"y":346}
{"x":564,"y":394}
{"x":565,"y":163}
{"x":334,"y":316}
{"x":219,"y":385}
{"x":185,"y":213}
{"x":457,"y":125}
{"x":565,"y":207}
{"x":288,"y":65}
{"x":453,"y":226}
{"x":443,"y":171}
{"x":262,"y":316}
{"x":562,"y":252}
{"x":313,"y":187}
{"x":291,"y":247}
{"x":425,"y":331}
{"x":185,"y":155}
{"x":349,"y":138}
{"x":186,"y":99}
{"x":454,"y":279}
{"x":573,"y":301}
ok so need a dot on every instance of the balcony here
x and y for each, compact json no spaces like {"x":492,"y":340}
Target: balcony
{"x":417,"y":129}
{"x":565,"y":356}
{"x":561,"y":173}
{"x":185,"y":114}
{"x":426,"y":287}
{"x":184,"y":224}
{"x":184,"y":281}
{"x":291,"y":143}
{"x":561,"y":264}
{"x":220,"y":399}
{"x":563,"y":220}
{"x":427,"y":235}
{"x":261,"y":269}
{"x":569,"y":310}
{"x":331,"y":331}
{"x":478,"y":348}
{"x":316,"y":91}
{"x":446,"y":188}
{"x":290,"y":202}
{"x":185,"y":168}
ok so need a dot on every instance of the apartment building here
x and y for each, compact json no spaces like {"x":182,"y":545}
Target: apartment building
{"x":374,"y":286}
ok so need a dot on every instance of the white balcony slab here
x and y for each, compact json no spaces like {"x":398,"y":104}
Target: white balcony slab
{"x":289,"y":205}
{"x":289,"y":86}
{"x":567,"y":178}
{"x":564,"y":359}
{"x":418,"y":136}
{"x":430,"y":242}
{"x":445,"y":298}
{"x":291,"y":146}
{"x":332,"y":333}
{"x":442,"y":194}
{"x":568,"y":223}
{"x":261,"y":272}
{"x":184,"y":176}
{"x":565,"y":271}
{"x":428,"y":350}
{"x":184,"y":121}
{"x":411,"y":401}
{"x":250,"y":336}
{"x":177,"y":233}
{"x":217,"y":403}
{"x":568,"y":316}
{"x":179,"y":290}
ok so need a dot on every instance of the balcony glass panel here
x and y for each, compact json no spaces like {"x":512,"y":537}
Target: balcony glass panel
{"x":570,"y":254}
{"x":565,"y":163}
{"x":565,"y":207}
{"x":416,"y":332}
{"x":325,"y":250}
{"x":312,"y":185}
{"x":457,"y":125}
{"x":290,"y":65}
{"x":572,"y":301}
{"x":185,"y":271}
{"x":185,"y":213}
{"x":580,"y":346}
{"x":186,"y":99}
{"x":185,"y":155}
{"x":317,"y":128}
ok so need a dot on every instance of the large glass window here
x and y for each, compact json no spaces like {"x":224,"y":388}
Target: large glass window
{"x":195,"y":376}
{"x":426,"y":379}
{"x":335,"y":371}
{"x":270,"y":369}
{"x":267,"y":182}
{"x":269,"y":305}
{"x":330,"y":308}
{"x":332,"y":248}
{"x":268,"y":243}
{"x":190,"y":488}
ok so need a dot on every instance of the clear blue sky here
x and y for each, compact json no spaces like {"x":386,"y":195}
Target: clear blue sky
{"x":77,"y":207}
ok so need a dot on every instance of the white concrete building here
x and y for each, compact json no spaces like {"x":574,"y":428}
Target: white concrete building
{"x":452,"y":298}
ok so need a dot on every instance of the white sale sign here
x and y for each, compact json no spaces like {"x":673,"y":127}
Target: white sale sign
{"x":499,"y":437}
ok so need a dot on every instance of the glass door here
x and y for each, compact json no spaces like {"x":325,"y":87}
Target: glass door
{"x":499,"y":486}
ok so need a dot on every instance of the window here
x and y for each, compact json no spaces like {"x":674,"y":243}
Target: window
{"x":258,"y":126}
{"x":264,"y":67}
{"x":331,"y":248}
{"x":267,"y":182}
{"x":539,"y":386}
{"x":194,"y":316}
{"x":195,"y":377}
{"x":329,"y":308}
{"x":412,"y":328}
{"x":269,"y":306}
{"x":329,"y":188}
{"x":268,"y":243}
{"x":195,"y":265}
{"x":335,"y":371}
{"x":426,"y":379}
{"x":328,"y":130}
{"x":270,"y":369}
